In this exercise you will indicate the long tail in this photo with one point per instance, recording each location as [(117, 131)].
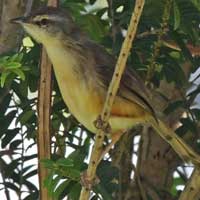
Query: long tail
[(181, 148)]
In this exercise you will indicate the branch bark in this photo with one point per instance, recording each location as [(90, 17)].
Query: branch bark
[(44, 107), (44, 111), (120, 66)]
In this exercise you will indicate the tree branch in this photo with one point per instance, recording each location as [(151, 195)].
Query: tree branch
[(44, 108), (120, 66)]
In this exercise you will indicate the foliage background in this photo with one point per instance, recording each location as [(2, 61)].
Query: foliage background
[(165, 54)]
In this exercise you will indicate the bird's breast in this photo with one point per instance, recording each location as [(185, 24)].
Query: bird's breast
[(82, 98)]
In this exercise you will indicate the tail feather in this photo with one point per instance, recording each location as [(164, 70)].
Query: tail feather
[(179, 146)]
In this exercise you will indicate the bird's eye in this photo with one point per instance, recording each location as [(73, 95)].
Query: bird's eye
[(42, 22)]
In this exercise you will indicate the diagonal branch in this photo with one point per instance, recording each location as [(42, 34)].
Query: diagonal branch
[(114, 85)]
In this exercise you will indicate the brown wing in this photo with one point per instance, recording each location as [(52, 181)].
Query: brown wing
[(131, 87)]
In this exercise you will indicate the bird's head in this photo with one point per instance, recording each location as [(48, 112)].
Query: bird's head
[(47, 24)]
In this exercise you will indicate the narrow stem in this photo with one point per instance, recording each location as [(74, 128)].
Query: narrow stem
[(158, 43), (113, 87)]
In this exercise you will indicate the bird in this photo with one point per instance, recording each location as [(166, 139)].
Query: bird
[(84, 69)]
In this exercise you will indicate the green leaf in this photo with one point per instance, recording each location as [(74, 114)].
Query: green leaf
[(6, 121), (48, 182), (11, 186), (20, 73), (33, 195), (75, 7), (25, 116), (10, 168), (14, 145), (9, 135), (24, 89), (173, 106), (51, 182), (54, 183), (93, 25), (71, 173), (28, 158), (177, 15), (78, 157), (65, 162), (189, 124), (176, 182), (27, 168), (100, 188), (4, 59), (196, 4), (173, 71), (179, 39), (4, 104), (30, 185), (31, 174), (12, 65), (75, 192), (60, 189), (17, 57), (3, 77), (196, 112), (48, 163)]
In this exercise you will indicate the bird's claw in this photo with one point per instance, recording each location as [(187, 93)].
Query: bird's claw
[(87, 182), (100, 124)]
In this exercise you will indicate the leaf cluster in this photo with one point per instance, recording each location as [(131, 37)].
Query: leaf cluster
[(19, 76)]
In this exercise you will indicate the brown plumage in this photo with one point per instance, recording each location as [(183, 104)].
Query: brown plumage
[(84, 70)]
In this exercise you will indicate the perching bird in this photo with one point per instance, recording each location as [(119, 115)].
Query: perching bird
[(84, 69)]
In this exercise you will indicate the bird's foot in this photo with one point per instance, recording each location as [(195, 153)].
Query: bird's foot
[(100, 124), (87, 182)]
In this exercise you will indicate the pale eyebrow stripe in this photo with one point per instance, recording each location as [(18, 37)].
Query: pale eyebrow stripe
[(53, 18)]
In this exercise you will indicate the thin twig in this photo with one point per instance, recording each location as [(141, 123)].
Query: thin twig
[(158, 43), (150, 33), (3, 183), (22, 150), (44, 107), (113, 87), (140, 185), (194, 49)]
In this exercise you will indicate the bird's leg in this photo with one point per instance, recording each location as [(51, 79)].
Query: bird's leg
[(85, 181), (100, 124), (117, 135), (114, 139)]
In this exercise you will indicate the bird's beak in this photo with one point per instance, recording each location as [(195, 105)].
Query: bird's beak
[(18, 20)]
